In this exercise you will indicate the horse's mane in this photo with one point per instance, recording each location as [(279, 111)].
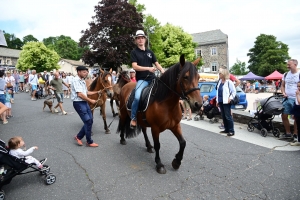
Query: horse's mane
[(94, 83), (170, 78)]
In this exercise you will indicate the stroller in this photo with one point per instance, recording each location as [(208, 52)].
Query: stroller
[(12, 166), (211, 111), (39, 93), (264, 115)]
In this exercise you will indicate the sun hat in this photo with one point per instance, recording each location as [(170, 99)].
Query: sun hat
[(132, 70), (140, 33)]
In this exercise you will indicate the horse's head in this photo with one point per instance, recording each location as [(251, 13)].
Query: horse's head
[(106, 80), (124, 77), (187, 84)]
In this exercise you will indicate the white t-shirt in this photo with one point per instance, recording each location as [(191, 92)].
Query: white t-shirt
[(291, 81), (33, 79)]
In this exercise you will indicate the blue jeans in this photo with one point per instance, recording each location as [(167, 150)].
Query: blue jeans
[(16, 88), (140, 85), (84, 112), (226, 116)]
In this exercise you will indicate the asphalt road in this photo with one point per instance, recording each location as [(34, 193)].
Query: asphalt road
[(213, 167)]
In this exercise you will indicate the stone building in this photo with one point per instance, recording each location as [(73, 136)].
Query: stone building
[(67, 65), (213, 47), (9, 57)]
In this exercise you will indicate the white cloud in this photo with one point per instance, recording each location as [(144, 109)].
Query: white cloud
[(241, 20)]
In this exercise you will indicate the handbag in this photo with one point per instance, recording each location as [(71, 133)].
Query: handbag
[(236, 98)]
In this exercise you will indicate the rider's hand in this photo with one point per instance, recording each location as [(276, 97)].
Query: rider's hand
[(93, 101), (152, 69)]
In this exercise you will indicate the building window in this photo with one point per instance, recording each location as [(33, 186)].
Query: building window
[(214, 66), (198, 53), (8, 62), (213, 51)]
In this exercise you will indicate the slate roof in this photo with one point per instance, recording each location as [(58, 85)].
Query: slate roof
[(210, 37), (6, 52)]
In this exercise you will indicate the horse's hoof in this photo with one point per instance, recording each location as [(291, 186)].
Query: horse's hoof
[(150, 150), (175, 164), (107, 132), (161, 170), (123, 142)]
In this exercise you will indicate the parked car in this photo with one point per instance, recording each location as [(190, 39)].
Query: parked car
[(209, 88)]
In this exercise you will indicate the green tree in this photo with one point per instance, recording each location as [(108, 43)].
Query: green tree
[(110, 35), (65, 46), (172, 43), (35, 55), (12, 41), (29, 38), (268, 55), (239, 68)]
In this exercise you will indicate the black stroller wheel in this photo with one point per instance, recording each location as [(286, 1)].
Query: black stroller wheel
[(264, 132), (276, 132), (2, 195), (250, 127), (50, 179)]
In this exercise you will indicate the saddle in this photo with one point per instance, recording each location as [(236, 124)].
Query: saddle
[(145, 98)]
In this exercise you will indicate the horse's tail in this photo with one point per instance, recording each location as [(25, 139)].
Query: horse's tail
[(125, 128)]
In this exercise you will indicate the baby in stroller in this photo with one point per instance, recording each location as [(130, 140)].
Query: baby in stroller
[(209, 108), (13, 164), (16, 143)]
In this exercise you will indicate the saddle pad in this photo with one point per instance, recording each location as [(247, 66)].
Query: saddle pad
[(144, 100)]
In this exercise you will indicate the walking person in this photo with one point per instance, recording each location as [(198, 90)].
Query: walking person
[(288, 89), (225, 93), (65, 86), (3, 108), (142, 60), (79, 96), (17, 81), (22, 80), (56, 85), (33, 82), (10, 83), (296, 114)]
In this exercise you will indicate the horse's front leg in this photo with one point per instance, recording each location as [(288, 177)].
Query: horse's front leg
[(107, 131), (182, 143), (147, 142), (112, 107), (160, 168)]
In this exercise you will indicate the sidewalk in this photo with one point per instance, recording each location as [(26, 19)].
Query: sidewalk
[(241, 133)]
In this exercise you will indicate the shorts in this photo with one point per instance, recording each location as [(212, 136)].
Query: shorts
[(8, 104), (186, 104), (33, 87), (256, 88), (2, 98), (288, 106), (59, 97)]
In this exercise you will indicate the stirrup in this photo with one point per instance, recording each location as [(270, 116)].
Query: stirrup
[(132, 127)]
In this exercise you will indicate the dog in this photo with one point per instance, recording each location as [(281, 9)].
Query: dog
[(49, 103)]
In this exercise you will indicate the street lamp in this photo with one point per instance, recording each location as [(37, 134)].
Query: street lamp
[(150, 30)]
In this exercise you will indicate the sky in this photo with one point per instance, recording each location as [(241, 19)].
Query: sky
[(241, 20)]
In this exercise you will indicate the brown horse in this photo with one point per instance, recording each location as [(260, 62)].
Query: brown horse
[(180, 80), (123, 79), (102, 84)]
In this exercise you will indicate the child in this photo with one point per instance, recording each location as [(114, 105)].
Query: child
[(296, 114), (8, 102), (15, 144), (205, 103)]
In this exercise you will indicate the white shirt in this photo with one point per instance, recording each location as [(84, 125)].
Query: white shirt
[(11, 79), (33, 79), (19, 153), (291, 81)]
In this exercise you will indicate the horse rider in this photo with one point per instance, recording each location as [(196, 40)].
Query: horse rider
[(142, 60)]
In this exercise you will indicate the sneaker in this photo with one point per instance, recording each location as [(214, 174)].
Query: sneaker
[(55, 110), (230, 134), (78, 141), (295, 143), (286, 136), (43, 161), (92, 145), (189, 119), (184, 118), (64, 113), (5, 122), (68, 97), (33, 99)]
